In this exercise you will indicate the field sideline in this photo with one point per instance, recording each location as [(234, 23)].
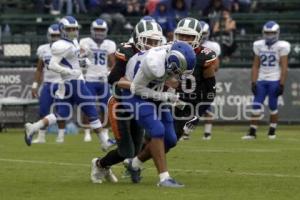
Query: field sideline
[(220, 169)]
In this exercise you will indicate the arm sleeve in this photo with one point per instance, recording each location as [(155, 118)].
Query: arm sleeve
[(117, 72)]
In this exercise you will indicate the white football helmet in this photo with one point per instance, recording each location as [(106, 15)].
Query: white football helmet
[(205, 31), (147, 34), (68, 27), (53, 33), (271, 32), (99, 30), (189, 27)]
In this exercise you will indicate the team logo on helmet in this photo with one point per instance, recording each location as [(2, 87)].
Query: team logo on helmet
[(181, 59)]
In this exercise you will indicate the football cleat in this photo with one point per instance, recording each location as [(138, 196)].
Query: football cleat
[(249, 137), (108, 144), (135, 174), (272, 137), (206, 136), (169, 182), (29, 132), (99, 174), (60, 139), (39, 141), (190, 125), (87, 137), (185, 137)]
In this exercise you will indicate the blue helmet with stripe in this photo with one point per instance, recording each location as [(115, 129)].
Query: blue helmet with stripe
[(53, 33), (68, 27), (271, 32), (181, 58), (99, 30), (148, 18), (205, 31)]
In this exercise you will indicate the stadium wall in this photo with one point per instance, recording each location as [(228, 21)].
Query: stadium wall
[(232, 104)]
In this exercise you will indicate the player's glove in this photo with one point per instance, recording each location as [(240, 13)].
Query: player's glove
[(82, 62), (280, 90), (253, 88)]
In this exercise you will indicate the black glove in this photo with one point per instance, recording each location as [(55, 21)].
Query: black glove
[(253, 88), (280, 90)]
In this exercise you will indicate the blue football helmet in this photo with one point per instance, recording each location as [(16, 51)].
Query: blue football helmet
[(148, 18), (271, 32), (181, 59), (53, 33), (68, 27), (205, 31), (99, 30)]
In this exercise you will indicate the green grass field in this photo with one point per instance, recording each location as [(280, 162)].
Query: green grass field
[(220, 169)]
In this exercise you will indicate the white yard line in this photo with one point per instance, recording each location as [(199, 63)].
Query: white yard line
[(150, 168)]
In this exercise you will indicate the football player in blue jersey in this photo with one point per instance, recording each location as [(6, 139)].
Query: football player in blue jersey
[(72, 90)]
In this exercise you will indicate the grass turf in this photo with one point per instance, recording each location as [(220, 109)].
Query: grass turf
[(220, 169)]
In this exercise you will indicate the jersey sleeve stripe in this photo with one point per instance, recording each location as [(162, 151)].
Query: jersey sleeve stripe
[(120, 56)]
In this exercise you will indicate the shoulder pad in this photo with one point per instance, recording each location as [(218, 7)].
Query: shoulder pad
[(59, 47), (125, 51), (153, 67)]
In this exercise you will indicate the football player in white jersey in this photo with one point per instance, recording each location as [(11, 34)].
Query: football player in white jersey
[(65, 61), (148, 75), (49, 81), (205, 42), (100, 59), (269, 72)]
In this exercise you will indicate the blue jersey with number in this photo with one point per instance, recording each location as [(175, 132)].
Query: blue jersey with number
[(269, 58), (97, 54)]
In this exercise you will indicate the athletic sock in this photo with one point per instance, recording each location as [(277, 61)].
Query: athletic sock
[(111, 158), (137, 163), (104, 133), (207, 128), (252, 130), (41, 134), (272, 128), (61, 133), (102, 138), (163, 176), (87, 131), (38, 125)]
